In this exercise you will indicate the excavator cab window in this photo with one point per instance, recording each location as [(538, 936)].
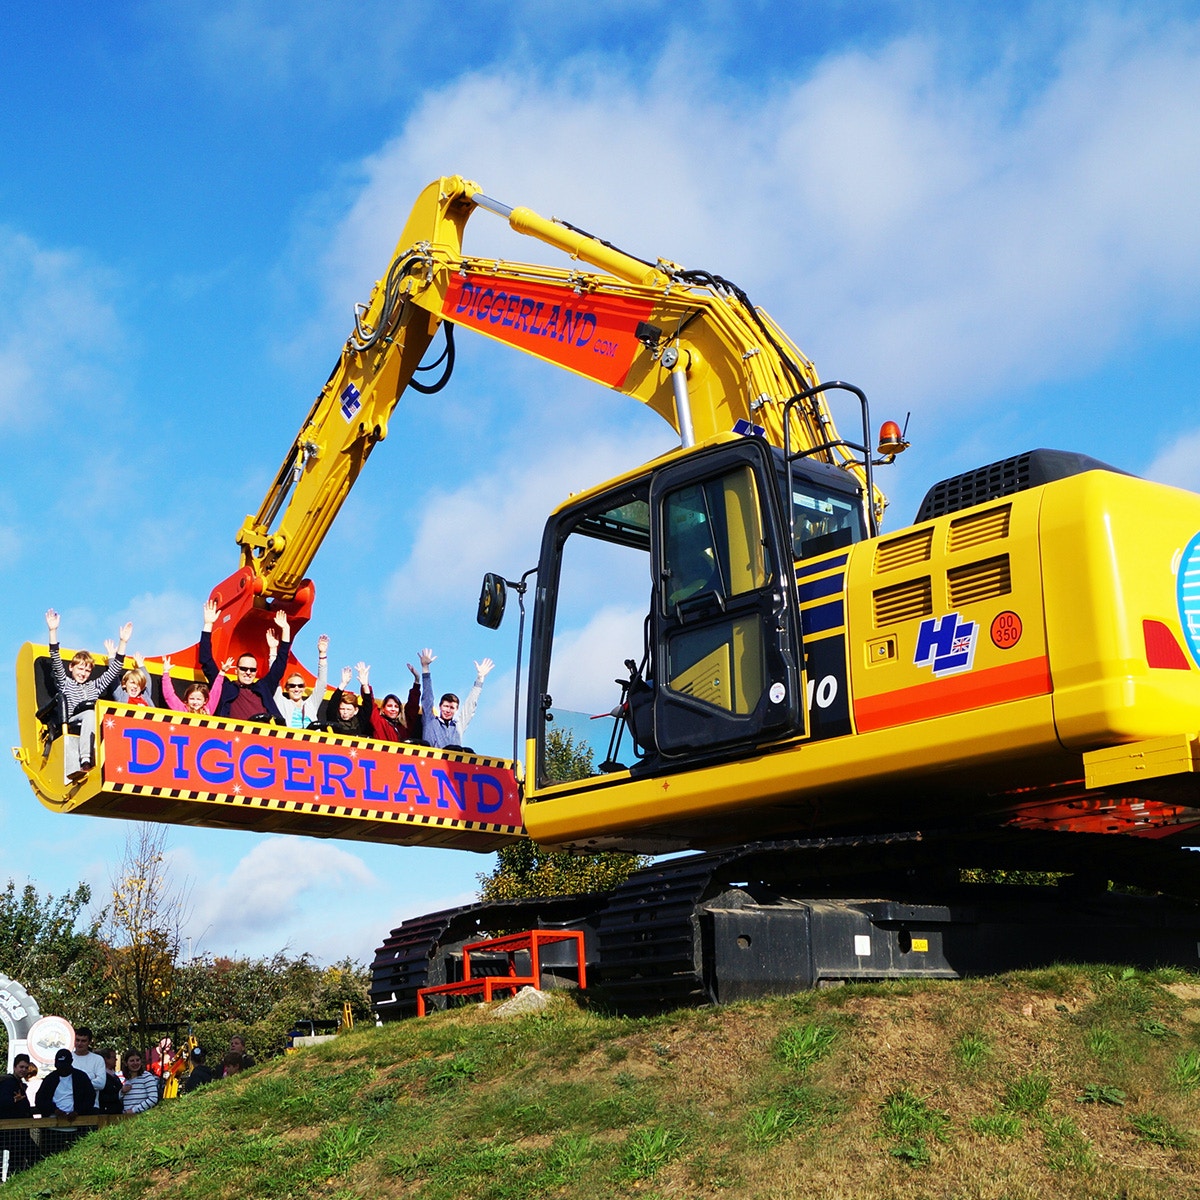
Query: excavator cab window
[(823, 520), (826, 504), (593, 601)]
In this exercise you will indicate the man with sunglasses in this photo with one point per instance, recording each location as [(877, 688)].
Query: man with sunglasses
[(246, 697)]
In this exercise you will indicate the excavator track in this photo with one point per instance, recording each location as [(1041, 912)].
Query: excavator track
[(789, 914)]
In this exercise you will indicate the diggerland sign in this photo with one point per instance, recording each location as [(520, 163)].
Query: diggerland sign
[(206, 758), (593, 333)]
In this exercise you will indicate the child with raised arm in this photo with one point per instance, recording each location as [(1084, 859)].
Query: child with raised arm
[(134, 687), (445, 727), (347, 717), (198, 697), (77, 695)]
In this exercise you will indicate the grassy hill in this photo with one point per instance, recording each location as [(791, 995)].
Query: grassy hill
[(1069, 1082)]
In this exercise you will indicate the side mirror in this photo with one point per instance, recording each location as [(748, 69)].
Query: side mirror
[(492, 599)]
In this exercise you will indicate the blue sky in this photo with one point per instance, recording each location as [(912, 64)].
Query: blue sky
[(987, 218)]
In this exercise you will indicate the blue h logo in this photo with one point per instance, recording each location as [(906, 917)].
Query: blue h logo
[(947, 644), (350, 401)]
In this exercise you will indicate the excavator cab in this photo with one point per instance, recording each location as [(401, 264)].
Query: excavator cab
[(689, 569)]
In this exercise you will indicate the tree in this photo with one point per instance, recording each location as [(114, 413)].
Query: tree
[(262, 999), (144, 934), (525, 871), (52, 947)]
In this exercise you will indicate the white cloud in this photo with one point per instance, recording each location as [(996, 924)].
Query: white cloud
[(494, 521), (587, 661), (262, 892), (1179, 463), (163, 622), (932, 236), (51, 298)]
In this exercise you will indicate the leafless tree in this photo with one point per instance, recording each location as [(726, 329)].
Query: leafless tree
[(144, 933)]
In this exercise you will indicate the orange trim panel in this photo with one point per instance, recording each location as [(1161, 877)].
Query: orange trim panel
[(958, 693), (594, 333)]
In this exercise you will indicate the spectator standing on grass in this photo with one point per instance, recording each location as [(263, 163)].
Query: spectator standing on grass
[(88, 1061), (445, 726), (140, 1089), (14, 1100), (15, 1106), (200, 1074), (68, 1092), (237, 1045), (108, 1100)]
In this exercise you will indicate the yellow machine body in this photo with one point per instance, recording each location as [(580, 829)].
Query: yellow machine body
[(1057, 583), (1028, 659)]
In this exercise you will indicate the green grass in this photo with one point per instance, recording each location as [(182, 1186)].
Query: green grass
[(909, 1121), (1027, 1093), (908, 1091), (1102, 1043), (972, 1051), (647, 1151), (1185, 1073), (1149, 1127), (799, 1048), (1066, 1147), (1004, 1126)]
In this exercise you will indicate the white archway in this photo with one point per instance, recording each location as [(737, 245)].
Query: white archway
[(19, 1012)]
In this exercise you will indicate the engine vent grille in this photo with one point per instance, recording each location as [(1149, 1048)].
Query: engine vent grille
[(1003, 478), (903, 601), (903, 551), (987, 526), (978, 581)]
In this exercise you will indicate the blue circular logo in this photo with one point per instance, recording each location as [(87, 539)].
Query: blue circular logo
[(1187, 592)]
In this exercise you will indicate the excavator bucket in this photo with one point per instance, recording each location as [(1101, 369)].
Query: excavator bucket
[(154, 764)]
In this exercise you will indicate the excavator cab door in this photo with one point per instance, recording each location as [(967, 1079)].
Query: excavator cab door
[(725, 633)]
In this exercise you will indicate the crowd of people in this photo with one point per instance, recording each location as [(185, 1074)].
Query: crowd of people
[(235, 688), (85, 1082)]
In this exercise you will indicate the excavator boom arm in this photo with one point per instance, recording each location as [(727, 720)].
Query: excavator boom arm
[(687, 344)]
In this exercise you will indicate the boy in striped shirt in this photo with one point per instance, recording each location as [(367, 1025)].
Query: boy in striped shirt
[(78, 693)]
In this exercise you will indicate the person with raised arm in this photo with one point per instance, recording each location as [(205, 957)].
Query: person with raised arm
[(445, 726), (77, 693), (134, 687), (198, 697), (299, 711), (392, 721), (247, 697), (347, 716)]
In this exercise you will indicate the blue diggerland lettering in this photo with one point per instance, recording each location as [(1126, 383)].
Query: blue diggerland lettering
[(525, 315)]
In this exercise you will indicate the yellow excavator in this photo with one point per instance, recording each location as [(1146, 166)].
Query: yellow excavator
[(1022, 660)]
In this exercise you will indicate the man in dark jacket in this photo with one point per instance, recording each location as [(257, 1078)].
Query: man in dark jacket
[(247, 698), (68, 1092), (14, 1106), (200, 1073)]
